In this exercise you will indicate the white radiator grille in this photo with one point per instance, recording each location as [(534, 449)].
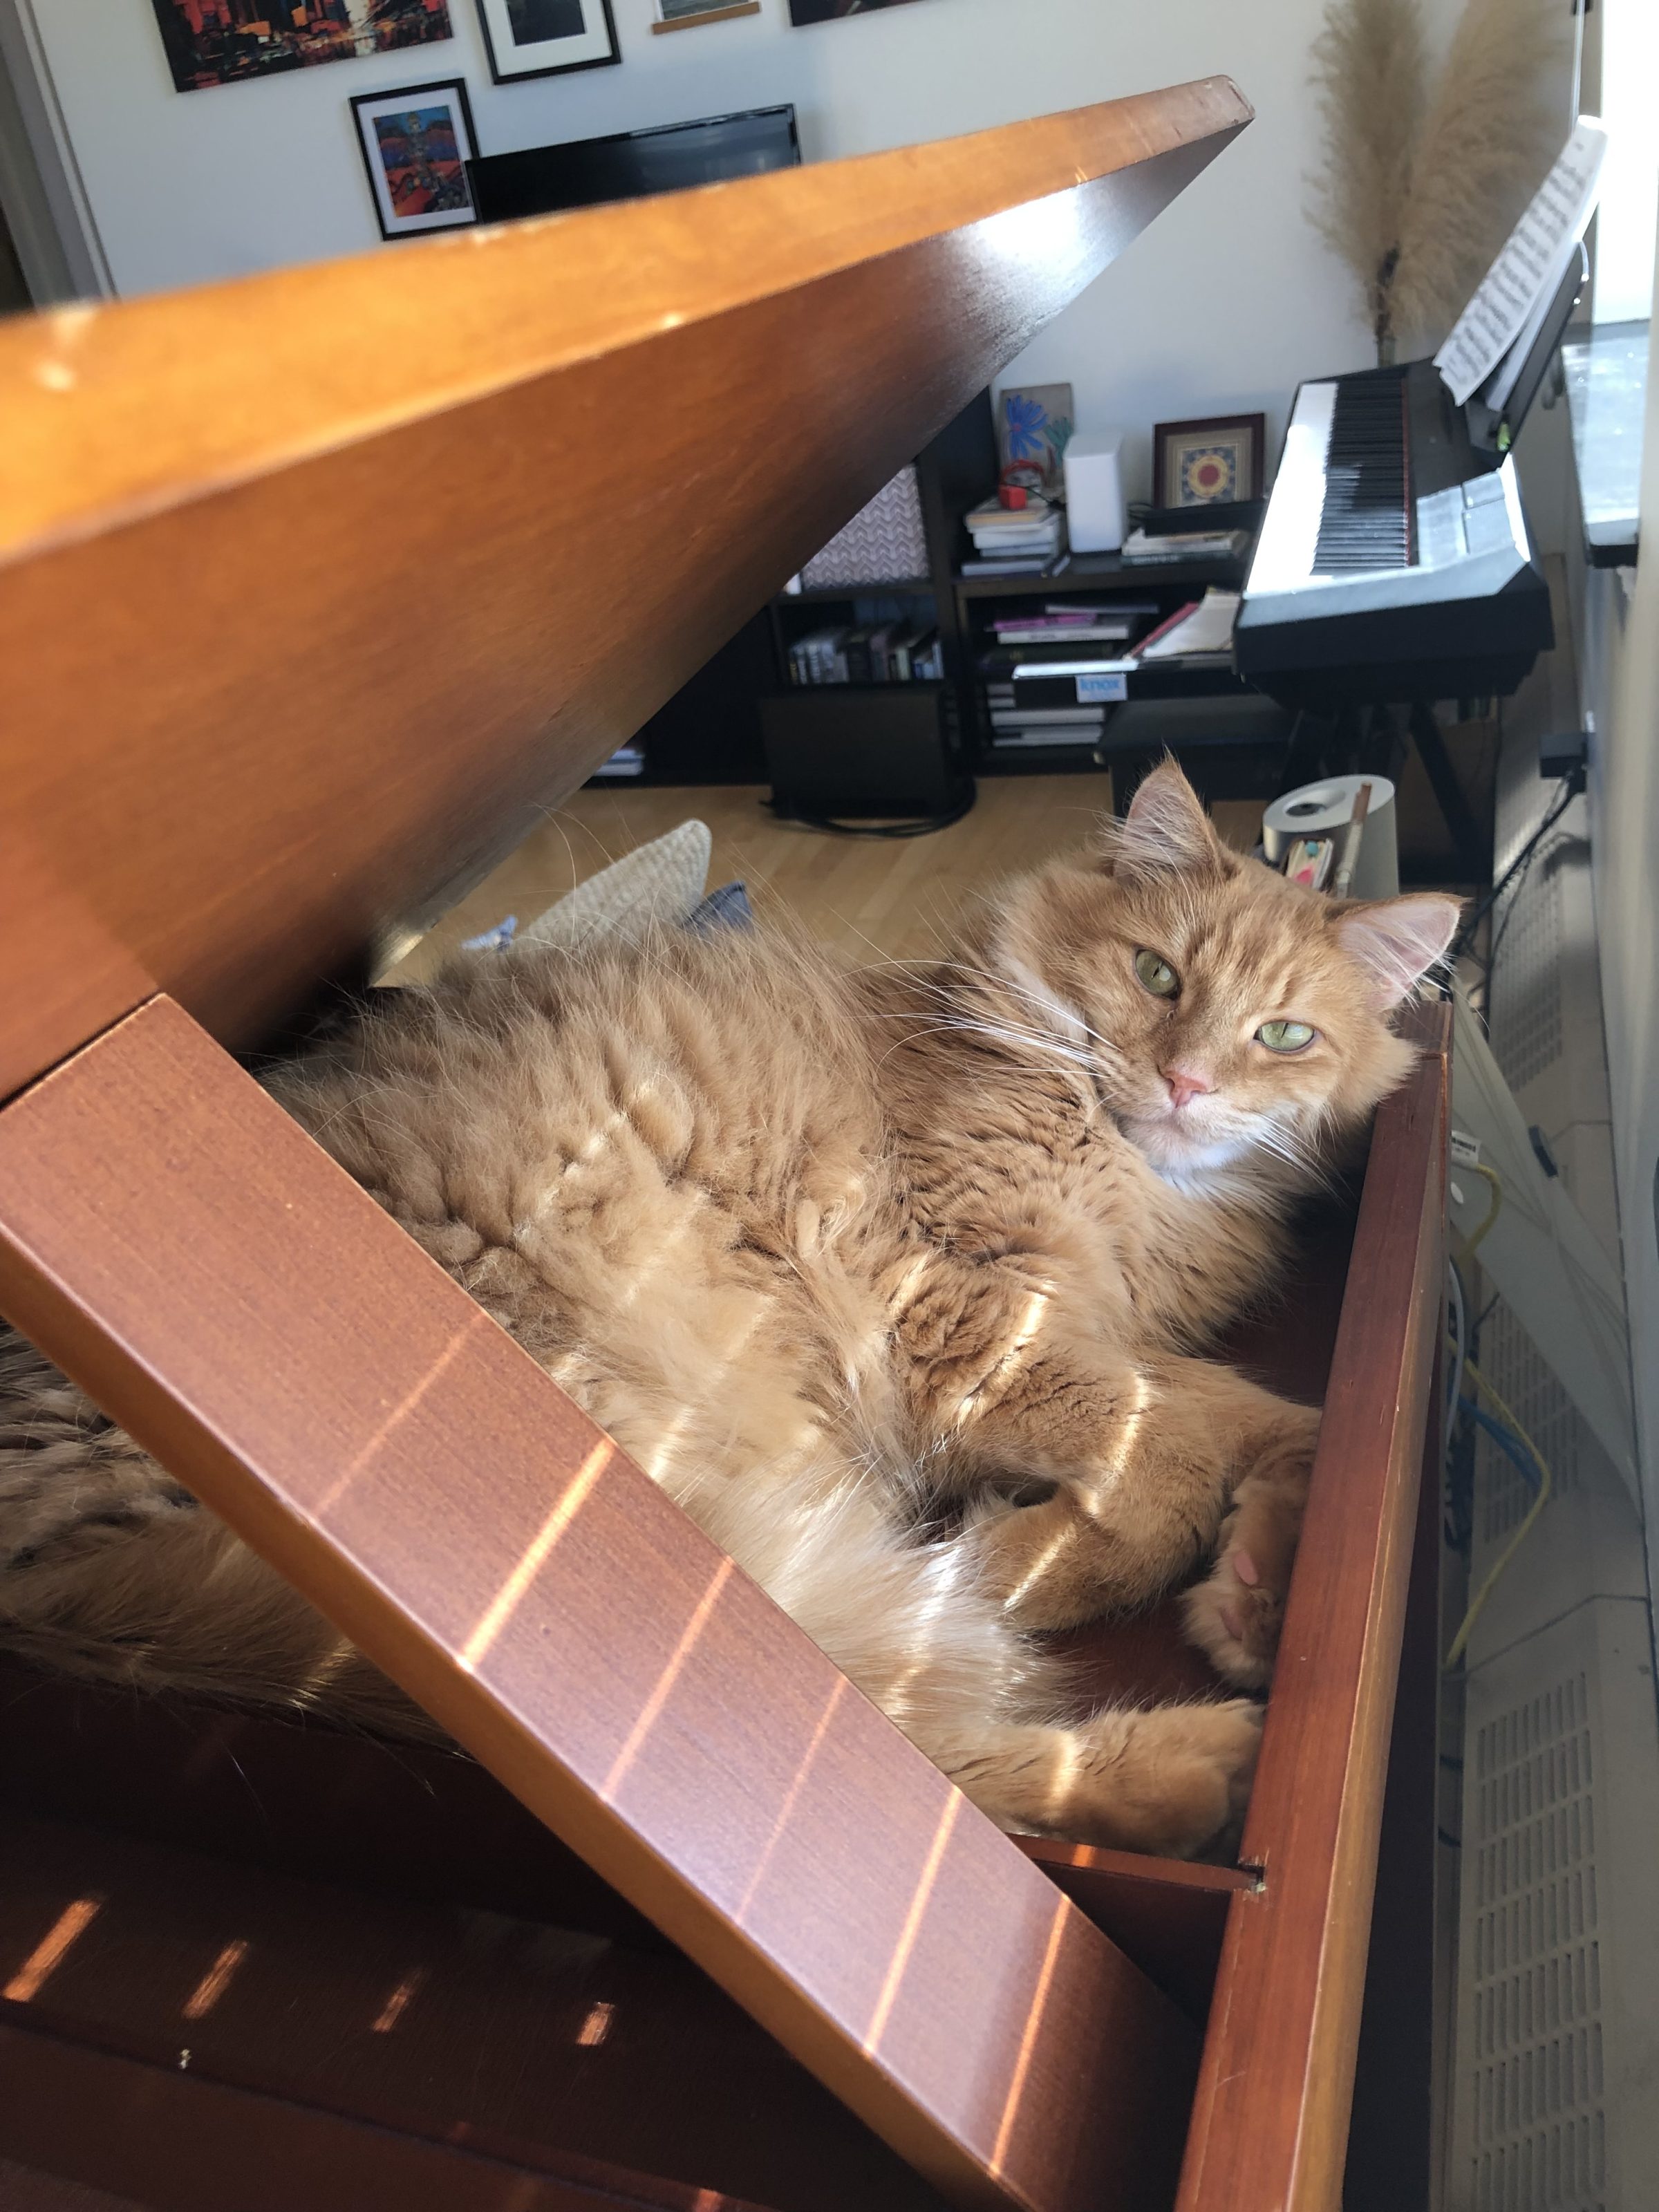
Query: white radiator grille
[(1525, 1028), (1522, 1378), (1539, 2134)]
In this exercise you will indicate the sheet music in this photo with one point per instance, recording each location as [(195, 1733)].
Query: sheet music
[(1501, 320)]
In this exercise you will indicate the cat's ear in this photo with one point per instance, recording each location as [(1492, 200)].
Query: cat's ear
[(1399, 940), (1166, 829)]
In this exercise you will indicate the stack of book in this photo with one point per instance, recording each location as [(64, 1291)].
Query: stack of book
[(870, 653), (1015, 540), (1202, 630), (1074, 621), (1033, 696), (1186, 545)]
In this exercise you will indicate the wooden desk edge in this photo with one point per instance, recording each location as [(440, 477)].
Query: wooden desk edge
[(1270, 2116)]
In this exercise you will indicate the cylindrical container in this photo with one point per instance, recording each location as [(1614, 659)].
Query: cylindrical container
[(1094, 492), (1324, 809)]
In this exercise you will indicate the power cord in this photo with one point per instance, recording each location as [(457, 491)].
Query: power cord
[(1514, 1440), (1491, 1176), (1571, 784), (882, 828)]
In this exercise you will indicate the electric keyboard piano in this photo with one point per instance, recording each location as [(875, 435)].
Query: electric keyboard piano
[(1393, 564)]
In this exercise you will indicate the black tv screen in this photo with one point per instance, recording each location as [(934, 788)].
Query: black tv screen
[(585, 172)]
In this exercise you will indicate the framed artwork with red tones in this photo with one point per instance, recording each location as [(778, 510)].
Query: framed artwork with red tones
[(220, 41), (1208, 463), (416, 142)]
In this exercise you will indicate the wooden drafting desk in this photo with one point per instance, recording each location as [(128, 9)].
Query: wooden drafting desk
[(314, 590)]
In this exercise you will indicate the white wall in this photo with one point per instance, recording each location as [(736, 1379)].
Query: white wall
[(1223, 306)]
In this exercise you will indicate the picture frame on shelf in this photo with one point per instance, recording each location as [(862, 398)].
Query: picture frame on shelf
[(547, 37), (685, 14), (1035, 424), (416, 141), (1214, 461)]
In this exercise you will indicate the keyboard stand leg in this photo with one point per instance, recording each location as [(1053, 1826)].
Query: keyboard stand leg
[(1473, 856), (1307, 757)]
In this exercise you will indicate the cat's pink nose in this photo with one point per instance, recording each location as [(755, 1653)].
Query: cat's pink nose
[(1185, 1085)]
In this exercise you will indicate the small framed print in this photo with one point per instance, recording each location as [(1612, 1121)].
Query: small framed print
[(1208, 463), (680, 14), (417, 142), (544, 38)]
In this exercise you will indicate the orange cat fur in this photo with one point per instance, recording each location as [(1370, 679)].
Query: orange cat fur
[(842, 1258)]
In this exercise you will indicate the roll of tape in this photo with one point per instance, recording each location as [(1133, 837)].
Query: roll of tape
[(1324, 809)]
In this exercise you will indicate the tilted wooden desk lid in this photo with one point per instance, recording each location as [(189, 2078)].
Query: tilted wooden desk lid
[(311, 589), (316, 588)]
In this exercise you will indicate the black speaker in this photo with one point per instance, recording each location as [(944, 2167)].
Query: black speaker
[(841, 752)]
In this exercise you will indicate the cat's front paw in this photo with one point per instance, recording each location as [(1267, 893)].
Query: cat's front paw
[(1235, 1619), (1235, 1615)]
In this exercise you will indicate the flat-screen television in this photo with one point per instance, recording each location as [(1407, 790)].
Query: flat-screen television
[(584, 172)]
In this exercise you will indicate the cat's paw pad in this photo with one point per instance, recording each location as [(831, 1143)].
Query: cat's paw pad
[(1235, 1619)]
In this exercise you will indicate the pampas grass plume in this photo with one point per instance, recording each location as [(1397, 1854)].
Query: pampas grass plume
[(1369, 67), (1497, 121)]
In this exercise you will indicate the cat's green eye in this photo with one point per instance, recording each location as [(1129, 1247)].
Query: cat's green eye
[(1156, 975), (1285, 1036)]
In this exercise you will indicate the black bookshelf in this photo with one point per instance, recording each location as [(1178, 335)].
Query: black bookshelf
[(1087, 574), (1103, 577), (710, 732)]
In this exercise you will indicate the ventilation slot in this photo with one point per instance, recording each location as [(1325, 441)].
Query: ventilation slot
[(1522, 1378), (1526, 985), (1539, 2122)]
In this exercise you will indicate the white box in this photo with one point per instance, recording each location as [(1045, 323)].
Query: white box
[(1094, 492)]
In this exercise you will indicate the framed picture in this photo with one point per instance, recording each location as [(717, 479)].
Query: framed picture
[(1034, 427), (544, 38), (220, 41), (680, 14), (1202, 464), (416, 141), (828, 11)]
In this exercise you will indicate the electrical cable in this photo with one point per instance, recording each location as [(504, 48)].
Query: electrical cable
[(1506, 1443), (1571, 786), (1458, 1308), (1541, 1499), (883, 829), (1491, 1176)]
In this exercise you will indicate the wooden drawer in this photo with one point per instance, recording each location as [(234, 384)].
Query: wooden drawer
[(292, 1966)]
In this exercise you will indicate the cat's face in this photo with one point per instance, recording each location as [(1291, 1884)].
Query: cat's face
[(1223, 1011)]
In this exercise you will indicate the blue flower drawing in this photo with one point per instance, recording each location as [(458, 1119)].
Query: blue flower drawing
[(1027, 420)]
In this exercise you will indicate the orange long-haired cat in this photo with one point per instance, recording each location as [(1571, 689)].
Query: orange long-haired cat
[(896, 1279)]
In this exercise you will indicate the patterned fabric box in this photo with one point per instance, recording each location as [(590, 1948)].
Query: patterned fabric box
[(883, 543)]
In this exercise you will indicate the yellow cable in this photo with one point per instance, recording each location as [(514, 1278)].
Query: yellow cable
[(1537, 1507), (1497, 1181)]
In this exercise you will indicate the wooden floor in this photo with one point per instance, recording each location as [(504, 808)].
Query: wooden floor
[(871, 898)]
